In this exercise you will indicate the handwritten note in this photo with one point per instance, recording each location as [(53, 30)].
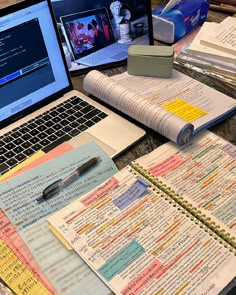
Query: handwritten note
[(144, 247), (16, 275), (19, 203)]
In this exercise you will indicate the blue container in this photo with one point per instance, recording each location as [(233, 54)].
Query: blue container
[(181, 19)]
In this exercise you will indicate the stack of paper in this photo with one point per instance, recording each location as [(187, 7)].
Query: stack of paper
[(216, 41)]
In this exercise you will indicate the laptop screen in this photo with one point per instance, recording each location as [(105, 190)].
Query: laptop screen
[(98, 33), (32, 69)]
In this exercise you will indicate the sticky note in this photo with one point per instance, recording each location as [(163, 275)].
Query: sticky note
[(184, 110), (16, 275)]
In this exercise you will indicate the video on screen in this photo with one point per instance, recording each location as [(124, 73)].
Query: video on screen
[(96, 33)]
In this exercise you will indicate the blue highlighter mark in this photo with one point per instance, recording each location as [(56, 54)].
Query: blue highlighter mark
[(135, 191), (121, 260)]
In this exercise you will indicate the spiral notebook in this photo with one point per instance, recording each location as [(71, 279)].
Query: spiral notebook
[(140, 236)]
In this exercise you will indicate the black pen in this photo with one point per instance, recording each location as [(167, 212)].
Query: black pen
[(54, 188)]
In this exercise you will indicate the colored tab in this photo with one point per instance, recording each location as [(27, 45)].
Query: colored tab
[(135, 191), (60, 237)]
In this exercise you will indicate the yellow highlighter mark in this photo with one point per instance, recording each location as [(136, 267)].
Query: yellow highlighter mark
[(160, 292), (181, 289), (105, 226), (17, 275), (184, 110)]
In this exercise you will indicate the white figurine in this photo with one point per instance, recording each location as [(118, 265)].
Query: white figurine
[(115, 10)]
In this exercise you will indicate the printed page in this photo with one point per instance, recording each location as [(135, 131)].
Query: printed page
[(18, 202), (187, 98), (198, 48), (139, 241), (16, 275), (202, 172), (224, 38), (10, 236), (135, 105)]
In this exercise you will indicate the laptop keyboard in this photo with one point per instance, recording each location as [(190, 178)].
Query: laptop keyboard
[(115, 51), (47, 131)]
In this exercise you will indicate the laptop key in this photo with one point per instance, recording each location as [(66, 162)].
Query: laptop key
[(18, 141), (103, 115), (60, 133), (2, 150), (87, 109), (9, 146), (8, 139), (9, 154), (42, 135), (34, 140), (3, 168), (26, 136), (20, 157), (74, 132), (18, 149), (2, 159), (57, 127), (92, 114), (26, 144), (16, 134), (89, 123), (96, 119), (82, 127), (36, 147), (52, 137), (11, 162), (29, 152), (50, 131), (57, 142), (44, 142), (67, 128), (32, 125)]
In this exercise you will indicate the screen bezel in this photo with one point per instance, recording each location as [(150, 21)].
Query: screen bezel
[(14, 8), (121, 62)]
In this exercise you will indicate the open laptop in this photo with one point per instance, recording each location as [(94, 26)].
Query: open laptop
[(38, 107), (98, 33), (91, 40)]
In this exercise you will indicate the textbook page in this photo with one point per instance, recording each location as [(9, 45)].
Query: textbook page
[(172, 107), (224, 38), (65, 270), (136, 106), (202, 172), (198, 48), (138, 241)]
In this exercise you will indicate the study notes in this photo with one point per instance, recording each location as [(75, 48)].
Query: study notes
[(66, 272), (202, 175), (178, 107), (140, 240)]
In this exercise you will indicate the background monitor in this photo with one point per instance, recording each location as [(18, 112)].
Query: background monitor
[(125, 22)]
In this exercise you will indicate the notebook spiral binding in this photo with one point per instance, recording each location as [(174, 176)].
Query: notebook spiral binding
[(192, 212)]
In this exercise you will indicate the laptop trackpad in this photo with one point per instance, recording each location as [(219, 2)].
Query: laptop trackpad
[(86, 137)]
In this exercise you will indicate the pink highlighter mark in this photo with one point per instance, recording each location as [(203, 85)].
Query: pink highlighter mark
[(153, 271), (100, 192), (168, 165), (11, 237)]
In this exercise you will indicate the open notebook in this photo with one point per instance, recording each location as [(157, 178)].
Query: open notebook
[(164, 224)]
